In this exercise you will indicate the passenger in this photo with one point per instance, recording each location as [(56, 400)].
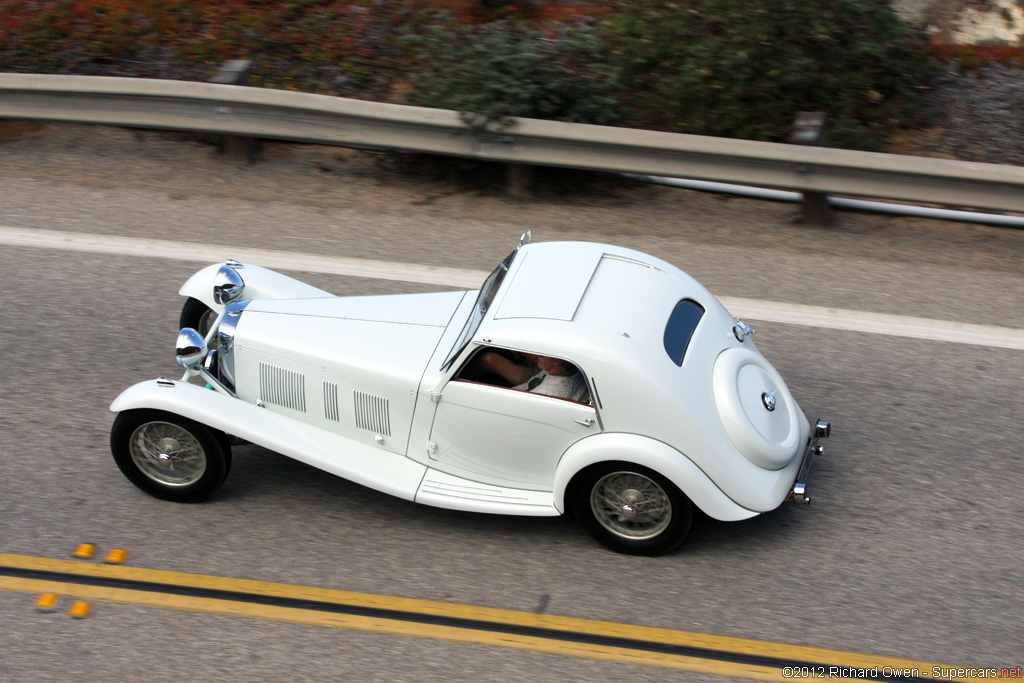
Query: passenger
[(543, 375)]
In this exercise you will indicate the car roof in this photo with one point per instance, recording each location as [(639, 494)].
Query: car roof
[(581, 299)]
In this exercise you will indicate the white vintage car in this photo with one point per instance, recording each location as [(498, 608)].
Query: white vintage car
[(580, 377)]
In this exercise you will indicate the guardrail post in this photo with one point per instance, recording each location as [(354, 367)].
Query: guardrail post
[(239, 148), (519, 180), (809, 129)]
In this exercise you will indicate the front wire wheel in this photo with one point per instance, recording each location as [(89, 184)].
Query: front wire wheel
[(631, 509), (169, 456), (197, 315)]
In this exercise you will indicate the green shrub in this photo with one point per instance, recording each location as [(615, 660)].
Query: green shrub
[(744, 68), (500, 70)]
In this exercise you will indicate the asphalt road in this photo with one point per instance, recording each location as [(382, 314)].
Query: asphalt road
[(913, 547)]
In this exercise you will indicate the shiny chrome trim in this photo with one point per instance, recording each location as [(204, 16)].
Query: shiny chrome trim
[(526, 237), (167, 453), (768, 399), (741, 330), (232, 263), (215, 383), (190, 348), (228, 286), (630, 505), (798, 494), (226, 341), (164, 382)]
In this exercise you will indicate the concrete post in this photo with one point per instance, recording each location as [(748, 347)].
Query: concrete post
[(239, 148), (519, 180), (809, 129)]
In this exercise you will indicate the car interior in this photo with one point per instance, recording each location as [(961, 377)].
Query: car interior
[(475, 371)]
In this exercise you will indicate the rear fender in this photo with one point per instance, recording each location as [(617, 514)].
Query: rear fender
[(658, 456), (260, 283)]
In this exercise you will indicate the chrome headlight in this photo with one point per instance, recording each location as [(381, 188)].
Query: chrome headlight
[(191, 348), (228, 286)]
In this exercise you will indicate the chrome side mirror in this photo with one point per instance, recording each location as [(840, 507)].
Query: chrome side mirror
[(191, 348), (741, 330), (228, 286)]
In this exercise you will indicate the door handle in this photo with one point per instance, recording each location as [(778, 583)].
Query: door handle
[(586, 423)]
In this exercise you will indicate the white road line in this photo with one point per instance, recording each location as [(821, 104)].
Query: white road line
[(876, 323), (206, 253), (765, 311)]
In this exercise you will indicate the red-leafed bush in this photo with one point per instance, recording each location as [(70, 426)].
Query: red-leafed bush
[(971, 58)]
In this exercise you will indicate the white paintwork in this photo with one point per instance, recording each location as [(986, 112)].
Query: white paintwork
[(392, 349), (446, 491), (355, 386), (639, 450), (505, 437), (548, 284), (767, 438), (801, 315), (346, 348), (641, 390), (260, 283), (434, 310), (376, 468)]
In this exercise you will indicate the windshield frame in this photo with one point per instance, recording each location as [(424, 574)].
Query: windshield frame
[(488, 290)]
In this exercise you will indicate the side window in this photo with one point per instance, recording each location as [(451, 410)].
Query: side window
[(681, 324), (535, 373)]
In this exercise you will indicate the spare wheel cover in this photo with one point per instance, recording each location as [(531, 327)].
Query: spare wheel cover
[(768, 438)]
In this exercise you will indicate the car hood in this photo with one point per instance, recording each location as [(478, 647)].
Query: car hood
[(434, 309), (385, 340)]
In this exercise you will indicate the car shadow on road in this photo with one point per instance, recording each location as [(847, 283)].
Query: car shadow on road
[(283, 486)]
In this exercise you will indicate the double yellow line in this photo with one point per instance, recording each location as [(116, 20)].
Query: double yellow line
[(726, 656)]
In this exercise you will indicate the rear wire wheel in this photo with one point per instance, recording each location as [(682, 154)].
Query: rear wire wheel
[(631, 509)]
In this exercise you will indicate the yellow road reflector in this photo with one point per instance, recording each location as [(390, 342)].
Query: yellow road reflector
[(116, 556), (80, 610), (47, 602), (84, 551)]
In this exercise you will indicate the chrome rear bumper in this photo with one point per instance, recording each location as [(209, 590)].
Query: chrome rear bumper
[(799, 493)]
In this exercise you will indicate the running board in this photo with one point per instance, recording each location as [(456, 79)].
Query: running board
[(455, 493)]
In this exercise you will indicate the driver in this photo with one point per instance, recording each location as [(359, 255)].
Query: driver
[(541, 375)]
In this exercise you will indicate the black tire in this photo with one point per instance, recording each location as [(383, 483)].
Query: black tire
[(147, 444), (197, 315), (599, 490)]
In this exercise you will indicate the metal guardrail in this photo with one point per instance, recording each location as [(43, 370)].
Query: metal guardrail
[(304, 117)]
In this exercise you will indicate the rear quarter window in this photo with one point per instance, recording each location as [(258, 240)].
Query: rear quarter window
[(681, 324)]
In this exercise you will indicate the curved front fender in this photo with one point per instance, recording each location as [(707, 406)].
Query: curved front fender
[(370, 466), (260, 283), (656, 455)]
